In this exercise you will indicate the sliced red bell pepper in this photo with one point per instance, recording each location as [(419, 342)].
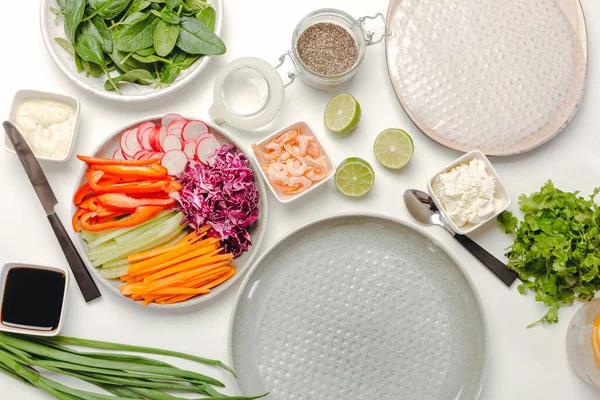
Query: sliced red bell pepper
[(126, 171), (110, 161), (140, 215), (119, 201), (89, 204), (83, 191), (108, 212), (174, 186), (75, 219), (110, 218), (132, 187), (159, 168)]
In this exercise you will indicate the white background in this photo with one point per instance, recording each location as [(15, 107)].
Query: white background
[(523, 364)]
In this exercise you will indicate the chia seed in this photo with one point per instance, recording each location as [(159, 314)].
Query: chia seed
[(327, 49)]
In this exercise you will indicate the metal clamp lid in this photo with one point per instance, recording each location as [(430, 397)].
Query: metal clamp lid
[(368, 34)]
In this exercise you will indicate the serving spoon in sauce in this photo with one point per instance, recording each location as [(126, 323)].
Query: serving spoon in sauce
[(422, 208)]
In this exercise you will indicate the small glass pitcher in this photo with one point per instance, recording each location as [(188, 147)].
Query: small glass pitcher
[(249, 92)]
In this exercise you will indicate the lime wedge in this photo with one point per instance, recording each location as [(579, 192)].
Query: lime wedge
[(354, 177), (393, 148), (342, 113)]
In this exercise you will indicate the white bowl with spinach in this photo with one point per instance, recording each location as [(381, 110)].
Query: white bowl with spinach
[(148, 49)]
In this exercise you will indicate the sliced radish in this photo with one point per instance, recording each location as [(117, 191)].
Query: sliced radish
[(206, 149), (174, 161), (189, 148), (162, 134), (176, 127), (123, 142), (167, 119), (145, 138), (145, 125), (118, 155), (171, 142), (132, 145), (193, 130), (142, 155)]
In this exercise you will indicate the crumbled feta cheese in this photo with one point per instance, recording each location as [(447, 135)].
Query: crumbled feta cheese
[(466, 192)]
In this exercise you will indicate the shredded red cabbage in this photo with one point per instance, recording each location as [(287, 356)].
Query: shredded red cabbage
[(223, 196)]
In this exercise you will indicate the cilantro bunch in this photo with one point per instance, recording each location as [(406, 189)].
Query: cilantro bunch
[(557, 247)]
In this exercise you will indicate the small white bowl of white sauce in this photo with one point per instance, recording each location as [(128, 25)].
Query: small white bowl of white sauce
[(47, 121)]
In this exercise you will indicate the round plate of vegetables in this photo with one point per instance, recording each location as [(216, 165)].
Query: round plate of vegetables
[(131, 50), (168, 211)]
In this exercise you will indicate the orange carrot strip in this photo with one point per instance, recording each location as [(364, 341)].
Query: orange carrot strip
[(145, 255), (135, 269), (187, 264), (219, 280), (201, 280), (125, 277), (181, 290), (204, 252), (176, 299), (173, 280)]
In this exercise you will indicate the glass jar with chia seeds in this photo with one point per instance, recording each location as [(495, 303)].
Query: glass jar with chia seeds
[(328, 46)]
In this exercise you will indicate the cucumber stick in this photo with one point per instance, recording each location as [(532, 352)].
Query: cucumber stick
[(168, 228), (132, 233), (114, 273), (107, 235)]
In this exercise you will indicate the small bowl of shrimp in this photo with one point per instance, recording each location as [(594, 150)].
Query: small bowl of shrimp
[(293, 161)]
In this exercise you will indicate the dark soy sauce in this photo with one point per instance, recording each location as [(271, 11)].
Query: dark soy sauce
[(33, 298)]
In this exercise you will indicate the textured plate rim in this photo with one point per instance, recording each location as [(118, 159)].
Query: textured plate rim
[(221, 288), (375, 216), (156, 93), (430, 133)]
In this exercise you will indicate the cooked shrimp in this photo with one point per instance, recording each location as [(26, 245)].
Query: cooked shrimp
[(313, 148), (285, 155), (317, 173), (297, 184), (273, 151), (295, 167), (285, 136), (277, 172)]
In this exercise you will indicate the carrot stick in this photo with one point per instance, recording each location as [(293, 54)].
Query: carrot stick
[(135, 269), (202, 253), (181, 290), (187, 264), (173, 280), (175, 299), (201, 280), (145, 255), (125, 277), (220, 280)]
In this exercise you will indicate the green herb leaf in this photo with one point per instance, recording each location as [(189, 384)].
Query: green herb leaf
[(89, 49), (141, 76), (165, 37), (65, 44), (61, 3), (146, 52), (136, 6), (169, 74), (556, 248), (208, 17), (173, 4), (73, 15), (150, 59), (167, 16), (196, 38), (138, 36), (109, 9), (97, 28)]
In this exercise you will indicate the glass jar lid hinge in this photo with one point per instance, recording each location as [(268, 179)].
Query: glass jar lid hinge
[(368, 34), (291, 75)]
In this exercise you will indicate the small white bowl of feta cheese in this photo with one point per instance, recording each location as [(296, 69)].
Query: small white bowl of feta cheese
[(469, 192)]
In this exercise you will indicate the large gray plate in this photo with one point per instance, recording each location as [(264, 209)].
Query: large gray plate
[(108, 147), (358, 307)]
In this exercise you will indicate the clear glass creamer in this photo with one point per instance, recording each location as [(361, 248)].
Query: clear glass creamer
[(583, 343)]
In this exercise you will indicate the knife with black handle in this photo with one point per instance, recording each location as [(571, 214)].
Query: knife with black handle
[(42, 188)]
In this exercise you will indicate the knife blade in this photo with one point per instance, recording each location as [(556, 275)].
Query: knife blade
[(48, 199)]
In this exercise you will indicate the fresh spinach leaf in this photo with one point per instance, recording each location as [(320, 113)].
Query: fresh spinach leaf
[(195, 6), (139, 35), (189, 60), (89, 49), (173, 4), (65, 44), (140, 76), (146, 52), (97, 28), (178, 56), (196, 38), (61, 3), (208, 17), (78, 63), (167, 16), (109, 9), (165, 37), (133, 18), (149, 59), (136, 6), (73, 15), (169, 74)]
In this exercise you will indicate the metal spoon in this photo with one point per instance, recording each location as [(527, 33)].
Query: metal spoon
[(423, 209)]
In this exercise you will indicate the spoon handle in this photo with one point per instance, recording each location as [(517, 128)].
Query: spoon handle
[(496, 266)]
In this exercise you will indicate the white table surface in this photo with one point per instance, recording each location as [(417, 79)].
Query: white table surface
[(523, 364)]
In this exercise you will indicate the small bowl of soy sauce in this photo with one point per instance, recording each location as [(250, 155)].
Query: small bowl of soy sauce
[(33, 299)]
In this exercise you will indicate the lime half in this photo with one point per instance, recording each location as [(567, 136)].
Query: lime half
[(393, 148), (342, 113), (354, 177)]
